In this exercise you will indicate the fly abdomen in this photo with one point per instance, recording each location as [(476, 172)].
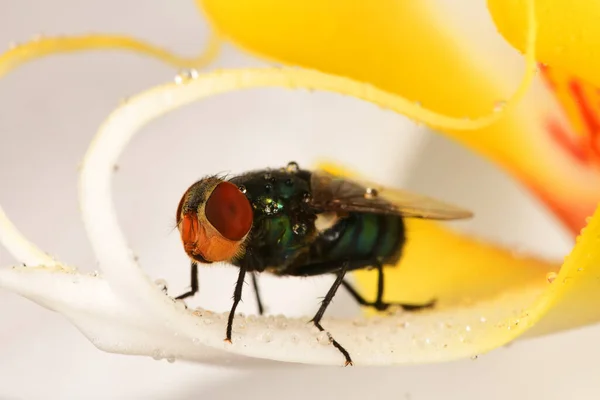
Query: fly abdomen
[(362, 236)]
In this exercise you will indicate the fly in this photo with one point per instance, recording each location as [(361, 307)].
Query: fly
[(297, 222)]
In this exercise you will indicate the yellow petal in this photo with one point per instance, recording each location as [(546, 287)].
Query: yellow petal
[(45, 46), (568, 33), (405, 48), (472, 273)]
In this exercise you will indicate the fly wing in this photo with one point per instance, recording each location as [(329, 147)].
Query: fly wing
[(333, 193)]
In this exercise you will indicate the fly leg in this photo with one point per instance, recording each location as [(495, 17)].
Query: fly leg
[(194, 283), (237, 297), (261, 309), (325, 303), (379, 304)]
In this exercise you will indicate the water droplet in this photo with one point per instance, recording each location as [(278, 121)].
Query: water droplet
[(180, 304), (266, 337), (171, 359), (551, 276), (157, 354), (475, 357), (499, 105), (306, 197), (185, 76), (483, 320), (299, 229), (292, 167), (242, 188), (324, 338), (468, 328), (207, 321), (95, 274), (162, 285), (371, 193)]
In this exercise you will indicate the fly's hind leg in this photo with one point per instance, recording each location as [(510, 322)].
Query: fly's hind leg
[(324, 304), (379, 304)]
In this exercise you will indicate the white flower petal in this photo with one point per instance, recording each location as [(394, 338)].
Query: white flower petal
[(126, 312)]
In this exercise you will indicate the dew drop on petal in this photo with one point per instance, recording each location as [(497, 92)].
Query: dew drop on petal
[(157, 354), (266, 336), (324, 338), (162, 285), (499, 105), (185, 76), (171, 359), (551, 276), (180, 304)]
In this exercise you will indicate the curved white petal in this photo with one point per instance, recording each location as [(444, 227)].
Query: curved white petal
[(125, 312)]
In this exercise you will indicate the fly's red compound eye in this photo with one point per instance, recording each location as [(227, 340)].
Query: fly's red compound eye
[(229, 211)]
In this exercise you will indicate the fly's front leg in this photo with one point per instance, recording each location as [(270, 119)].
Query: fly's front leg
[(237, 297), (194, 287)]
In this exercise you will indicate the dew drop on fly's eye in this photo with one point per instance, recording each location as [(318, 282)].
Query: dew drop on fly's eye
[(292, 167), (371, 193), (242, 188), (185, 76), (299, 229)]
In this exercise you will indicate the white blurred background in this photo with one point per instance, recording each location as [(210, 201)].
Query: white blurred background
[(49, 111)]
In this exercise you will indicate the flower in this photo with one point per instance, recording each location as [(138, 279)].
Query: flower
[(487, 296)]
